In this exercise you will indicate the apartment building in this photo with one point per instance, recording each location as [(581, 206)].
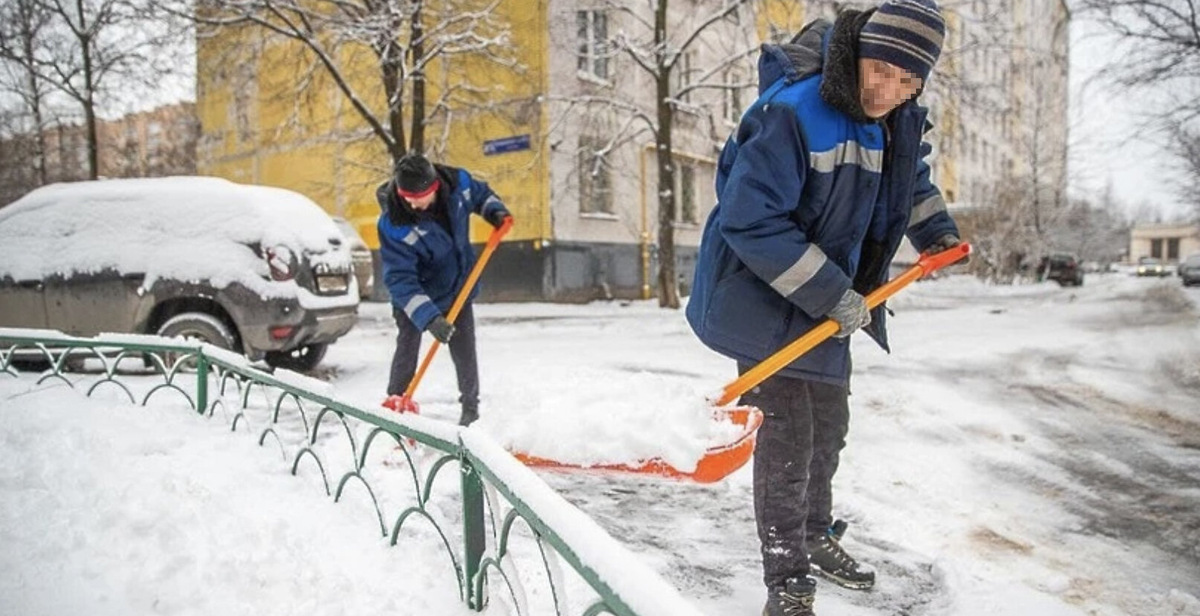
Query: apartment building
[(153, 143), (564, 128)]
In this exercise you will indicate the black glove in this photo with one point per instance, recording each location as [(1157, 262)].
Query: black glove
[(850, 313), (441, 329), (946, 242), (496, 217)]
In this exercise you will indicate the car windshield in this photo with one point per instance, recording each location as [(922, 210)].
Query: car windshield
[(1193, 261), (350, 233), (1148, 261)]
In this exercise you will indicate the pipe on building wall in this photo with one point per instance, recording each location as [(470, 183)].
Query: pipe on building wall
[(645, 239)]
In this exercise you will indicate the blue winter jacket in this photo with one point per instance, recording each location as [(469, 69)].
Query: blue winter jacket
[(424, 265), (810, 203)]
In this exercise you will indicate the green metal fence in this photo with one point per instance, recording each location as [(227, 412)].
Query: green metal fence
[(498, 501)]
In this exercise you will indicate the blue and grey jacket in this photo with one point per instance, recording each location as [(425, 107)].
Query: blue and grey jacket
[(425, 263), (814, 198)]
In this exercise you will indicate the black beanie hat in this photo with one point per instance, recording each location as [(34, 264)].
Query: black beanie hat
[(415, 174)]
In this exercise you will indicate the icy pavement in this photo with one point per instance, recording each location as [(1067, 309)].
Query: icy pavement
[(1025, 450), (1028, 450)]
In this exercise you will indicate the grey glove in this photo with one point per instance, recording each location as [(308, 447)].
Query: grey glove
[(441, 329), (850, 313), (946, 242)]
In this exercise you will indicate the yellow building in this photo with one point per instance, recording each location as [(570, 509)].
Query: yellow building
[(554, 116), (271, 114)]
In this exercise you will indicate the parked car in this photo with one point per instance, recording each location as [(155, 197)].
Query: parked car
[(1149, 266), (1189, 270), (263, 271), (360, 256), (1062, 268)]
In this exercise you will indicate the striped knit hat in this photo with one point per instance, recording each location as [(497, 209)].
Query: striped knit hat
[(906, 33)]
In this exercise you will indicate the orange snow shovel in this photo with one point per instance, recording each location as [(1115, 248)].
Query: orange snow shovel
[(718, 462), (405, 403)]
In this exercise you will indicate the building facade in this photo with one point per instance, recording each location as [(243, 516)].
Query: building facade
[(154, 143), (1169, 243), (567, 134)]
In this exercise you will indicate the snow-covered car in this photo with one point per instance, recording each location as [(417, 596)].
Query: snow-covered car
[(360, 256), (1189, 270), (1149, 266), (260, 270)]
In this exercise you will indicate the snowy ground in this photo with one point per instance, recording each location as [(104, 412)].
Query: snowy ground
[(1027, 450)]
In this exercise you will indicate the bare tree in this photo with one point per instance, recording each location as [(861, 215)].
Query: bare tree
[(1159, 48), (93, 50), (1093, 230), (22, 26), (404, 38), (1185, 146), (1159, 54), (661, 44)]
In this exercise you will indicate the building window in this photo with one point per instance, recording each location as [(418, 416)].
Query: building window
[(733, 95), (154, 136), (683, 76), (685, 202), (595, 178), (1173, 249), (593, 47), (1156, 248)]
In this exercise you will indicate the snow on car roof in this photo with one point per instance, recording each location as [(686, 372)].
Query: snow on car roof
[(186, 228)]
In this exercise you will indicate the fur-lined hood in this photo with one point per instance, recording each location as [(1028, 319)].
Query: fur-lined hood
[(821, 47)]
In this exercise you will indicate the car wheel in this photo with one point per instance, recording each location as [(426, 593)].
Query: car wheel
[(300, 359), (196, 327)]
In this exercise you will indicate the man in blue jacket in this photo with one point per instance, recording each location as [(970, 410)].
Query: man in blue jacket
[(425, 244), (823, 179)]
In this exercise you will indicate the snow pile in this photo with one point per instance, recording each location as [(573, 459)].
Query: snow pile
[(113, 509), (644, 416)]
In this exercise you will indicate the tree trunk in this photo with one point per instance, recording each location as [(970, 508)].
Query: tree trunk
[(89, 94), (417, 48), (668, 287), (35, 94), (393, 88)]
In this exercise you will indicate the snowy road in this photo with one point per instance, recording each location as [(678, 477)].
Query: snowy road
[(1025, 450)]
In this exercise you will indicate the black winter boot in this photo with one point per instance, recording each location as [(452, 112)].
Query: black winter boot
[(470, 413), (829, 560), (793, 599)]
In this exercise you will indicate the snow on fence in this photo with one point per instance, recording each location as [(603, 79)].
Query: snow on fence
[(390, 461)]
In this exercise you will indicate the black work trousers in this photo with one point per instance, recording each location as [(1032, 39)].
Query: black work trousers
[(802, 436), (462, 351)]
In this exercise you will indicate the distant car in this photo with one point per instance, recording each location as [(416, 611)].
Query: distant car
[(254, 269), (1149, 266), (360, 256), (1063, 269), (1189, 270)]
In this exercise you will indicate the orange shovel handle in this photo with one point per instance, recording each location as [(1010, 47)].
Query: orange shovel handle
[(926, 265), (493, 241)]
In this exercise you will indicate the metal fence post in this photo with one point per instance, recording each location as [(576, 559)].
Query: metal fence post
[(474, 533), (201, 383)]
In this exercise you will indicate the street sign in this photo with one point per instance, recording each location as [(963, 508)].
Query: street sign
[(506, 144)]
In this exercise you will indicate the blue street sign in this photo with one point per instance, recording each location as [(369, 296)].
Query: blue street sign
[(506, 144)]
